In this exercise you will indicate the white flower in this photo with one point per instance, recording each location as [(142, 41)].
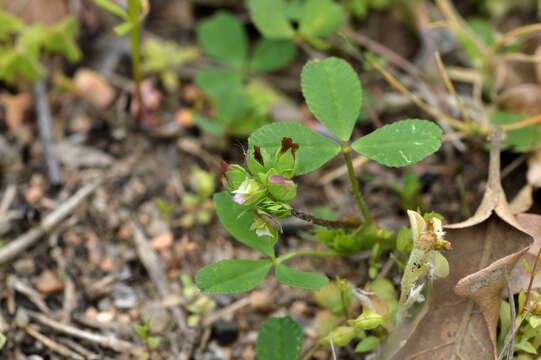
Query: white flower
[(261, 227), (246, 190)]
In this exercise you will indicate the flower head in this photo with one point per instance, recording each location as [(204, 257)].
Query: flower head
[(280, 188), (248, 192), (264, 226)]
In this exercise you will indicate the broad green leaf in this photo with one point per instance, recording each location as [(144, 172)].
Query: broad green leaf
[(333, 93), (232, 105), (208, 125), (300, 279), (505, 322), (320, 18), (272, 54), (238, 224), (124, 28), (270, 19), (314, 149), (215, 81), (61, 39), (402, 143), (232, 276), (9, 24), (369, 343), (223, 38), (112, 8), (279, 339)]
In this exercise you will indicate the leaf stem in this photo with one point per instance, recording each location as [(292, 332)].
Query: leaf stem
[(134, 10), (318, 253), (358, 196), (348, 223), (532, 276)]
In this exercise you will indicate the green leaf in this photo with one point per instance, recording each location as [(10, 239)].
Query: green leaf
[(279, 339), (314, 149), (238, 224), (272, 54), (208, 125), (223, 38), (300, 279), (270, 19), (112, 8), (402, 143), (521, 139), (505, 322), (333, 93), (232, 276), (215, 81), (320, 18), (9, 24), (525, 346), (232, 106), (369, 343), (124, 28), (61, 39), (2, 340)]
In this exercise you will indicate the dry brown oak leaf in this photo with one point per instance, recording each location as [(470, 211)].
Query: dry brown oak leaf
[(459, 318)]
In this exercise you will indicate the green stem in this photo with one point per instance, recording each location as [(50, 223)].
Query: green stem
[(358, 196), (305, 252), (134, 10)]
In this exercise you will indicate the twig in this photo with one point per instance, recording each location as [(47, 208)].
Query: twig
[(104, 341), (80, 349), (237, 305), (153, 265), (58, 348), (451, 88), (350, 223), (20, 286), (17, 246), (46, 133)]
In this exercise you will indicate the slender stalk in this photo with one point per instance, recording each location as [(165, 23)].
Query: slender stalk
[(358, 196), (348, 223), (532, 276), (292, 254), (134, 10), (522, 124)]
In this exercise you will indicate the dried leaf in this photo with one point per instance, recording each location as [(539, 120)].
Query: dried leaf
[(520, 276), (522, 99), (93, 87), (459, 318), (523, 201), (534, 170), (16, 107)]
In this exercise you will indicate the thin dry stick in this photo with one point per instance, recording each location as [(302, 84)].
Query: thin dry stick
[(520, 57), (420, 103), (513, 34), (512, 310), (17, 246), (451, 88), (58, 348), (328, 223), (236, 306), (16, 284), (46, 133), (104, 341)]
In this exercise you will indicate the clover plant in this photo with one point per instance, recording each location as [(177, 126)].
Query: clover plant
[(258, 195), (241, 102)]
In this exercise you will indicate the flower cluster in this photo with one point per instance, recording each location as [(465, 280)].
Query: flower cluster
[(265, 187)]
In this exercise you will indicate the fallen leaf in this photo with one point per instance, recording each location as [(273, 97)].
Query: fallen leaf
[(522, 99), (533, 175), (48, 283), (520, 277), (93, 87), (523, 201), (162, 241), (16, 106), (459, 318)]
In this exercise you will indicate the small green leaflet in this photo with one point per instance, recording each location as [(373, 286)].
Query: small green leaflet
[(208, 125), (270, 19), (314, 149), (112, 8), (238, 225), (320, 18), (279, 339), (333, 93), (300, 279), (124, 28), (2, 340), (272, 54), (369, 343), (232, 276), (402, 143), (222, 37), (215, 81)]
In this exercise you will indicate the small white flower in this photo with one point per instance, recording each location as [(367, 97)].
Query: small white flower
[(246, 190), (261, 227)]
